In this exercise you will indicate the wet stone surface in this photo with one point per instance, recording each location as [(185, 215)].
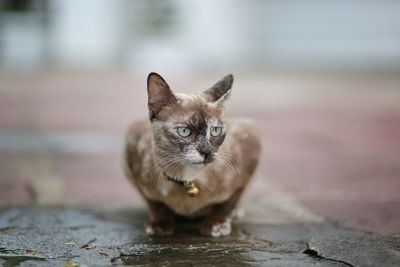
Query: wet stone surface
[(58, 236)]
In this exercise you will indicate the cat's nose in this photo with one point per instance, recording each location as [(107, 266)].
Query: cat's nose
[(206, 154)]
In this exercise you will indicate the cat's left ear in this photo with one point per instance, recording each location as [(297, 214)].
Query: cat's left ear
[(220, 91), (159, 94)]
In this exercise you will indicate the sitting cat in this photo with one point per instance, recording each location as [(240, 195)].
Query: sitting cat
[(188, 144)]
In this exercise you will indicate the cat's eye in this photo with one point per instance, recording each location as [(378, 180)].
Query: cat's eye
[(184, 131), (216, 131)]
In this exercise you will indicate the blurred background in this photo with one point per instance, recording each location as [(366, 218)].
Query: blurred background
[(320, 78)]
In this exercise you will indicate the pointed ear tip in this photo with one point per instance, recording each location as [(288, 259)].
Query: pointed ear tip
[(230, 77), (154, 77), (153, 74)]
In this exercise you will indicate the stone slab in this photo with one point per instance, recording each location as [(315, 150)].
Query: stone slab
[(53, 236)]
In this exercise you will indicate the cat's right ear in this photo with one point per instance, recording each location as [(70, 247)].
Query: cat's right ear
[(159, 94), (220, 91)]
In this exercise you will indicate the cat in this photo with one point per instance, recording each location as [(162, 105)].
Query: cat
[(188, 141)]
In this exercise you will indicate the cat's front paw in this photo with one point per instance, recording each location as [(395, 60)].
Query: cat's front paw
[(216, 229), (159, 228)]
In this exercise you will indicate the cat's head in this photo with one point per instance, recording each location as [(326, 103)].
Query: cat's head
[(187, 129)]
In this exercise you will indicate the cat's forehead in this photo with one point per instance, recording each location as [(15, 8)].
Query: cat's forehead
[(188, 98), (194, 109)]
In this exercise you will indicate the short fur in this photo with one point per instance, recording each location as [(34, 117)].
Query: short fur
[(220, 166)]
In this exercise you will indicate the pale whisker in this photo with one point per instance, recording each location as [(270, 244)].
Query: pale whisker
[(228, 161), (158, 165)]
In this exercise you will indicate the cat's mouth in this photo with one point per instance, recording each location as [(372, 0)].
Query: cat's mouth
[(199, 163), (203, 162)]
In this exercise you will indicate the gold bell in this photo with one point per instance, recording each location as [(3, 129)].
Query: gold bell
[(191, 189)]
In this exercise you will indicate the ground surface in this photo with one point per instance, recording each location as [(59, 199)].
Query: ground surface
[(330, 141), (57, 236)]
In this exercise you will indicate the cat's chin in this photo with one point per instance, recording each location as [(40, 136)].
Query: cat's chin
[(194, 167), (191, 172)]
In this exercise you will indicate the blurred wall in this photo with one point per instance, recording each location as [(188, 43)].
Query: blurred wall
[(186, 35)]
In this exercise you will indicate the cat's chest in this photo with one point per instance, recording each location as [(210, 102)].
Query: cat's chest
[(176, 197), (183, 204)]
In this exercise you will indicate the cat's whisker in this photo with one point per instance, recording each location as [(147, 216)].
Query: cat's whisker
[(231, 167), (164, 160), (230, 163), (168, 164), (161, 159), (172, 164), (230, 157), (235, 176)]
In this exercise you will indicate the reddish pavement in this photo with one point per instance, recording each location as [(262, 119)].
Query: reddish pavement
[(333, 142)]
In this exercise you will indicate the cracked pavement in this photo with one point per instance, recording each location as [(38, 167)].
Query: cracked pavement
[(53, 236)]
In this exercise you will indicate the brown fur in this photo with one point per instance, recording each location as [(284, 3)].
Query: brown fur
[(221, 182)]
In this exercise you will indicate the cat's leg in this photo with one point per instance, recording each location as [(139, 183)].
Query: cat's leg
[(161, 220), (218, 222)]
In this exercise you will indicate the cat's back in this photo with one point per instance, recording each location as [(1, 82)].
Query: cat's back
[(244, 133), (138, 143), (138, 130), (243, 141)]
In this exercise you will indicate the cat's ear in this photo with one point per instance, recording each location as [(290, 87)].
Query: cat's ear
[(220, 91), (159, 94)]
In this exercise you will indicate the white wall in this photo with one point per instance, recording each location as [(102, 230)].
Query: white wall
[(85, 33), (213, 34)]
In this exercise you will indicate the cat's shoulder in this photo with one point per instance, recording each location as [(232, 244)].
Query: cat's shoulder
[(243, 131), (138, 130), (242, 125)]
